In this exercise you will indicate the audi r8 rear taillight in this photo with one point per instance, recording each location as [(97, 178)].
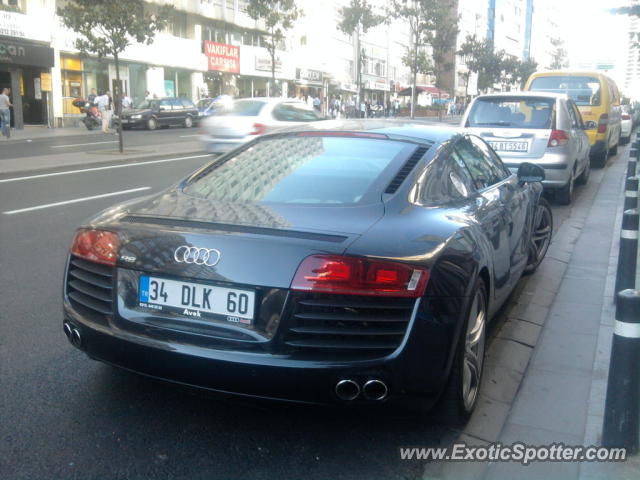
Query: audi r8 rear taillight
[(359, 276), (99, 246)]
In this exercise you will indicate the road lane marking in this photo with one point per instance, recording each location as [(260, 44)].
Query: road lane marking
[(95, 169), (76, 200), (82, 144)]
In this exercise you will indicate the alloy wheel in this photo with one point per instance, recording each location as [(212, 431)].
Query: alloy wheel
[(474, 351), (542, 230)]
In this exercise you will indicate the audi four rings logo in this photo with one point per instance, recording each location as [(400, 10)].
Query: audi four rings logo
[(197, 256)]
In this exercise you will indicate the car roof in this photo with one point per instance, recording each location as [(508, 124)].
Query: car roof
[(420, 132), (271, 100), (531, 93)]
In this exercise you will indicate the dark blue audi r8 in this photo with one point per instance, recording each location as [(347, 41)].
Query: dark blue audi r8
[(352, 265)]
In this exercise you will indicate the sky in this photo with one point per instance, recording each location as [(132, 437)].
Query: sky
[(591, 33)]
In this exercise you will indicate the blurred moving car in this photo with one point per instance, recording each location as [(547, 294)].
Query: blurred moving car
[(213, 106), (542, 128), (353, 266), (598, 100), (626, 125), (161, 112), (251, 117)]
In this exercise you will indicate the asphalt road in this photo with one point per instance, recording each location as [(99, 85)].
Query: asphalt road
[(86, 141), (66, 416)]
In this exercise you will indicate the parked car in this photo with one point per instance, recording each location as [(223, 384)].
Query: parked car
[(213, 106), (248, 118), (351, 266), (538, 127), (598, 100), (161, 112), (626, 124)]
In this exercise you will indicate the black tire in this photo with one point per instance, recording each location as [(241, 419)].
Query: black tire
[(188, 122), (564, 195), (454, 407), (542, 232), (152, 124), (614, 150), (584, 176), (600, 160)]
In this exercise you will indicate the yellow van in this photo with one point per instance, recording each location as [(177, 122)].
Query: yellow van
[(598, 100)]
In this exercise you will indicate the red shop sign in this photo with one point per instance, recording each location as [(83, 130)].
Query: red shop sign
[(222, 57)]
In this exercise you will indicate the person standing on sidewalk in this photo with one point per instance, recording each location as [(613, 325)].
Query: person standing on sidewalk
[(5, 113), (104, 106)]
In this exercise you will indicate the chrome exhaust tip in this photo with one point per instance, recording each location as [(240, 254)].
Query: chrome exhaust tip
[(67, 330), (375, 390), (347, 390), (76, 339)]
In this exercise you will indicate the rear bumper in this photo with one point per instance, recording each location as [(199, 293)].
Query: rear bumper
[(222, 145), (414, 373), (556, 168), (625, 130)]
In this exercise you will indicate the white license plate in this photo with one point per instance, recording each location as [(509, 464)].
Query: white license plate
[(509, 146), (197, 300)]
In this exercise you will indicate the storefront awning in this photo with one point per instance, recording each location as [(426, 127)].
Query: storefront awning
[(430, 90)]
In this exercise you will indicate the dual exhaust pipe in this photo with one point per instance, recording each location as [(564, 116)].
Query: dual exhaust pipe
[(348, 390), (73, 334)]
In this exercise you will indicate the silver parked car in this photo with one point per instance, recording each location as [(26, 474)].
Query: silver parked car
[(250, 117), (542, 128)]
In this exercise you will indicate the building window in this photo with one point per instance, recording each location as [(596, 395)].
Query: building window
[(178, 25), (303, 40), (242, 5), (12, 6)]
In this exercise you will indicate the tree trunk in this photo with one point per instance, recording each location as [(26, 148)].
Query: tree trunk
[(118, 102), (414, 76), (358, 73)]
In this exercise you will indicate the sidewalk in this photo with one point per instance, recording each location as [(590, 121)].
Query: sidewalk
[(547, 366), (32, 132)]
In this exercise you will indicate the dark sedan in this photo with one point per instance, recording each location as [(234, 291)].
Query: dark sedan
[(356, 266), (161, 112)]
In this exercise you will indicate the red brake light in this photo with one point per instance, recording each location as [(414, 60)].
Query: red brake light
[(626, 116), (258, 129), (557, 138), (359, 276), (603, 122), (96, 246)]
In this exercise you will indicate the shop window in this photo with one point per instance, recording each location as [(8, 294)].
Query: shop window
[(235, 38)]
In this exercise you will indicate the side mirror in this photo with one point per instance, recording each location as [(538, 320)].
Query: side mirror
[(590, 125), (530, 172)]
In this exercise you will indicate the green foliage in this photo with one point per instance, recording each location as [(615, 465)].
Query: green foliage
[(559, 56), (358, 18), (278, 17), (421, 64), (108, 27), (481, 58), (525, 70), (444, 40)]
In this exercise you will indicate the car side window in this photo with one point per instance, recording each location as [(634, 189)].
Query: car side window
[(447, 179), (485, 170), (576, 113), (165, 105), (187, 103), (176, 104), (500, 171), (292, 112), (572, 115)]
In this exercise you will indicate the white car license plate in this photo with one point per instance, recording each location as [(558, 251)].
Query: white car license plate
[(509, 146), (197, 300)]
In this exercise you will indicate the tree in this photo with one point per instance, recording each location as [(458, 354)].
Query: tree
[(631, 10), (481, 58), (559, 55), (106, 27), (422, 17), (356, 20), (443, 42), (525, 70), (278, 16)]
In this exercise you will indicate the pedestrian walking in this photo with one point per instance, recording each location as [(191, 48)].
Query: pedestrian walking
[(316, 103), (127, 103), (92, 96), (105, 107), (5, 113), (147, 95)]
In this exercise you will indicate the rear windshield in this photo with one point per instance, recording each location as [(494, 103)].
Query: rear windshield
[(518, 112), (583, 90), (245, 108), (302, 170)]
